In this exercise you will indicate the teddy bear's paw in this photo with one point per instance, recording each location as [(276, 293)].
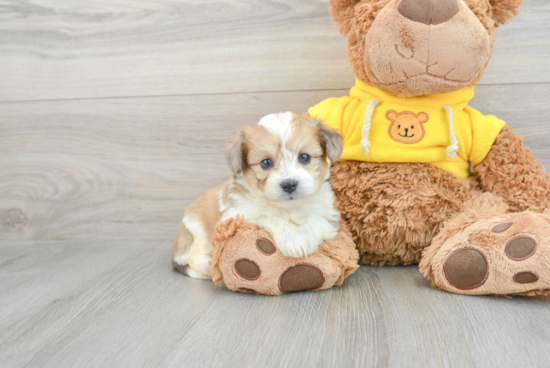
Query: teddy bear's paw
[(508, 255), (251, 263)]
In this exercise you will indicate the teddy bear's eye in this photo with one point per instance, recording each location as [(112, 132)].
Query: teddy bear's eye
[(399, 127), (412, 127)]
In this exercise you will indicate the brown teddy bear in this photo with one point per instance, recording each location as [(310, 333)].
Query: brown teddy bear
[(415, 201), (424, 178)]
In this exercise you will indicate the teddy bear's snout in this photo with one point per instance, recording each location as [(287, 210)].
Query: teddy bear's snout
[(430, 12), (419, 47)]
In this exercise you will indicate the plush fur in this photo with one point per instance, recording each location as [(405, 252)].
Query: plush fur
[(395, 210), (504, 10), (512, 172)]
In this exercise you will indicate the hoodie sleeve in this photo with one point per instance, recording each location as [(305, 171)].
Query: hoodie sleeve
[(485, 130), (332, 111)]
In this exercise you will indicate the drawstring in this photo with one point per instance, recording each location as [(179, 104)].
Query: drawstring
[(452, 150), (365, 144)]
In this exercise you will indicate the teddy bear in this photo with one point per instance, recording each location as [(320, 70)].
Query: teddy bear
[(423, 178), (458, 193)]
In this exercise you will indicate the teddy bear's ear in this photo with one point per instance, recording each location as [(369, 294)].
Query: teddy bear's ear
[(505, 10), (342, 12)]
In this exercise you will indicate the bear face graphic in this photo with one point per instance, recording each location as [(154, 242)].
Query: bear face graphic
[(407, 127)]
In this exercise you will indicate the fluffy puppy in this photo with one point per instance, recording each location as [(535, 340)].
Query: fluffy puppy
[(280, 182)]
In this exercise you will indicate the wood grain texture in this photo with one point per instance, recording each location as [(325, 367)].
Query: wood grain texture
[(127, 168), (134, 311), (61, 49)]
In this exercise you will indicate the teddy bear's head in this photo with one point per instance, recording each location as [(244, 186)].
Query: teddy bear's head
[(420, 47)]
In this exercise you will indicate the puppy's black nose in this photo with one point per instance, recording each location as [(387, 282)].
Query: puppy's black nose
[(289, 186)]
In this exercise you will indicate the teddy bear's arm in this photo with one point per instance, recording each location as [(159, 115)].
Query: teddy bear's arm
[(512, 172)]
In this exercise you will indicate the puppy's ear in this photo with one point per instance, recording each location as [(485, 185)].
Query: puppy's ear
[(504, 10), (235, 152), (342, 12), (331, 141)]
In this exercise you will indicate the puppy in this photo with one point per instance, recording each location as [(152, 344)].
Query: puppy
[(281, 168)]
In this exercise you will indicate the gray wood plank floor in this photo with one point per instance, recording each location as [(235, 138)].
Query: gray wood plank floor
[(127, 168), (113, 118), (62, 49), (119, 304)]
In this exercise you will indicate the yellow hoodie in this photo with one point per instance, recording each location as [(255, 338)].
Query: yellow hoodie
[(438, 129)]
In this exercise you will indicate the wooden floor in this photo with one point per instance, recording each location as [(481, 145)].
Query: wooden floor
[(113, 118), (118, 304)]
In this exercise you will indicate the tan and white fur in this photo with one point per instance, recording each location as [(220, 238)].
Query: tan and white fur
[(273, 185)]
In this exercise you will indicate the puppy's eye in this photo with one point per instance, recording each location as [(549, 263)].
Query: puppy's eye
[(266, 164), (304, 158)]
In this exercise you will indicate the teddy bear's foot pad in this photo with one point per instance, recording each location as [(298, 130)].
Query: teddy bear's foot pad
[(507, 255), (297, 278), (265, 270), (253, 264), (301, 277), (466, 268)]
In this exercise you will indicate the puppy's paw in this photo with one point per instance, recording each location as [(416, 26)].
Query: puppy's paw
[(506, 255), (196, 266), (297, 247), (246, 259)]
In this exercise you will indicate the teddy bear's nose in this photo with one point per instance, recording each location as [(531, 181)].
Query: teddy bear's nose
[(429, 12)]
